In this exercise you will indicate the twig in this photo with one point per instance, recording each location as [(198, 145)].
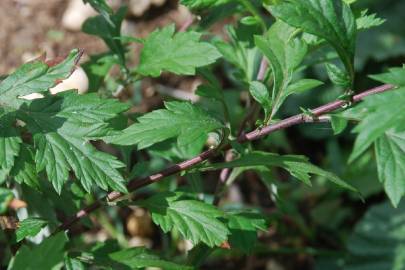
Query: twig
[(251, 136), (260, 77), (298, 119), (176, 93), (224, 175), (263, 69)]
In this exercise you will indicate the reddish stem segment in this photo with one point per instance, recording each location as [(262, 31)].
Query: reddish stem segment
[(251, 136)]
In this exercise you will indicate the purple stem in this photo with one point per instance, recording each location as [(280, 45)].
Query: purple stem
[(251, 136)]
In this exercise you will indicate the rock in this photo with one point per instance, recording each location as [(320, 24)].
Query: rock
[(78, 80), (183, 15), (138, 7), (32, 96), (139, 223), (274, 265), (158, 3), (128, 28), (140, 242), (184, 245), (75, 15)]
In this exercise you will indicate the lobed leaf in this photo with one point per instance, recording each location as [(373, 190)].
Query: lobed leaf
[(284, 53), (24, 170), (378, 241), (34, 77), (195, 220), (62, 126), (379, 113), (240, 52), (46, 255), (243, 226), (330, 20), (109, 255), (366, 21), (29, 227), (381, 123), (395, 76), (10, 142), (390, 155), (182, 120), (179, 53)]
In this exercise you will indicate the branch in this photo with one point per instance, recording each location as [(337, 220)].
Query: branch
[(225, 173), (251, 136)]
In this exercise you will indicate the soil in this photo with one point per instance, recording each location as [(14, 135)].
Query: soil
[(30, 28)]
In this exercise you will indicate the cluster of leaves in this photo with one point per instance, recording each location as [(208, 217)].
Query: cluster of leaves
[(381, 123), (53, 139)]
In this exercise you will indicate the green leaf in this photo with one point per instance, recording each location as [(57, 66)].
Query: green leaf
[(46, 255), (73, 264), (299, 87), (24, 170), (241, 52), (378, 114), (179, 53), (212, 89), (260, 93), (5, 197), (170, 150), (203, 4), (338, 123), (139, 258), (366, 21), (10, 142), (250, 20), (183, 120), (381, 122), (338, 76), (111, 256), (395, 76), (195, 220), (102, 7), (209, 91), (29, 227), (107, 26), (243, 226), (378, 240), (302, 86), (297, 166), (390, 155), (62, 127), (97, 69), (330, 20), (284, 52), (34, 77)]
